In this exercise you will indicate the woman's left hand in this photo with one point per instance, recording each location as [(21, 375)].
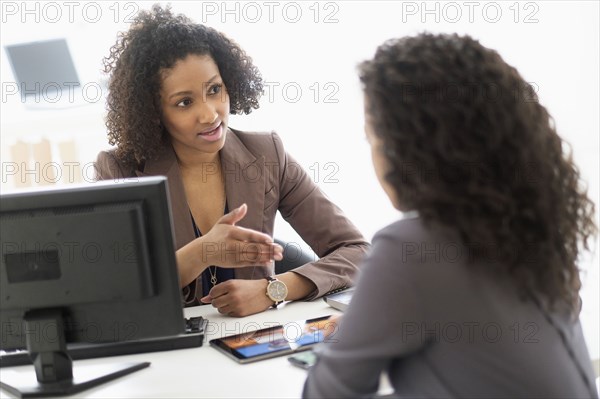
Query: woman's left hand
[(239, 297)]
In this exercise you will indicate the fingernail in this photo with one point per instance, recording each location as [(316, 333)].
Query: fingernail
[(205, 299)]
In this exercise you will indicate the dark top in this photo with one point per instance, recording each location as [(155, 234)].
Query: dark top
[(222, 273), (440, 328)]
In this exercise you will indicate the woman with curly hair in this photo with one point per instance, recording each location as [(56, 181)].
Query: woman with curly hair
[(172, 86), (475, 292)]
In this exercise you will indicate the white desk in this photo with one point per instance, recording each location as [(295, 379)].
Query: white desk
[(205, 372)]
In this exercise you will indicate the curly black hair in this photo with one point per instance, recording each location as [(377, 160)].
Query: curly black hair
[(156, 40), (469, 146)]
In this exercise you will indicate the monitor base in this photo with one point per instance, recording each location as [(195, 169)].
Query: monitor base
[(23, 384)]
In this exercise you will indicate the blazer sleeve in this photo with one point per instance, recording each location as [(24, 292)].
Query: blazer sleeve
[(321, 224), (376, 328)]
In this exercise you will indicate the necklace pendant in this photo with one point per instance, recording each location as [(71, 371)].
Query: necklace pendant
[(213, 276)]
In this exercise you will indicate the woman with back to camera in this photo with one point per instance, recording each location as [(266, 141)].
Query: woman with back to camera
[(172, 87), (475, 292)]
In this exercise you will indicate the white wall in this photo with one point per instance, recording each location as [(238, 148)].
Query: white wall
[(554, 44)]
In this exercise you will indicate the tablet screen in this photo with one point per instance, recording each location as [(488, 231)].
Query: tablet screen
[(274, 341)]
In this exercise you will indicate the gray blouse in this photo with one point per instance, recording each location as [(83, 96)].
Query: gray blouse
[(442, 329)]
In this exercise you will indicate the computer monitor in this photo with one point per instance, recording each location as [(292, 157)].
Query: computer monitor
[(88, 263)]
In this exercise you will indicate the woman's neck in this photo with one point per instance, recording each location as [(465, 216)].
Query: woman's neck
[(196, 160)]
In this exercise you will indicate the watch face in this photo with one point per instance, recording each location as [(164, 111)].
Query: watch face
[(277, 291)]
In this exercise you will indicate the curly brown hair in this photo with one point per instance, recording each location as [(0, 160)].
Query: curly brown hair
[(470, 148), (156, 40)]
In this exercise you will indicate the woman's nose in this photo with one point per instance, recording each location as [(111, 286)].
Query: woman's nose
[(207, 113)]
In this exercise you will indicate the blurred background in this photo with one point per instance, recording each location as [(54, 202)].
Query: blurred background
[(307, 53)]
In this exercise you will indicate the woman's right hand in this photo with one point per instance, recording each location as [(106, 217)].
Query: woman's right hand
[(228, 245)]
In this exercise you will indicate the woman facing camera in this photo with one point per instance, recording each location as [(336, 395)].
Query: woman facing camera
[(172, 87), (475, 292)]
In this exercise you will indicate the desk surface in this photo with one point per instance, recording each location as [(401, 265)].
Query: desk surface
[(205, 372)]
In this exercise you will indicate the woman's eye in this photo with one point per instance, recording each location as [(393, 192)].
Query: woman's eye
[(184, 103), (215, 89)]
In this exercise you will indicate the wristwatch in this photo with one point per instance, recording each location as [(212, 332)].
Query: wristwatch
[(276, 290)]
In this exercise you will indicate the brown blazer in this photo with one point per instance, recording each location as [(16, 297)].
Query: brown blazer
[(260, 173)]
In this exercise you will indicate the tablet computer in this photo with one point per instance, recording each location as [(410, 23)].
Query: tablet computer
[(275, 341), (340, 300)]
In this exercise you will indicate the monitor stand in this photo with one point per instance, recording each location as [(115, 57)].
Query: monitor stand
[(54, 372)]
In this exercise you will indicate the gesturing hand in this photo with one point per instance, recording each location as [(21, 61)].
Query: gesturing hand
[(228, 245)]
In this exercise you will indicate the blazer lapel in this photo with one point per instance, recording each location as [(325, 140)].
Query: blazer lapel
[(244, 180), (244, 183)]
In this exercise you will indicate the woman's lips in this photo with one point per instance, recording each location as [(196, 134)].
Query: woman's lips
[(212, 135)]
